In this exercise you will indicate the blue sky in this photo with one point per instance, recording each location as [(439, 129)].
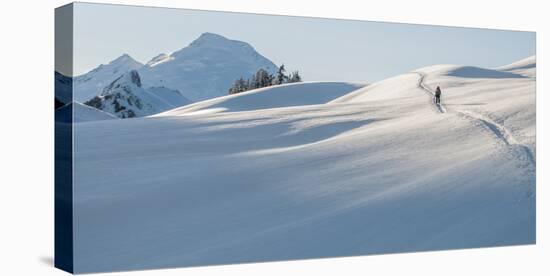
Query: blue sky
[(322, 49)]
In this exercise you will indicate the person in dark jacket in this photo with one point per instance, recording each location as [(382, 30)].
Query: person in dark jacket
[(438, 95)]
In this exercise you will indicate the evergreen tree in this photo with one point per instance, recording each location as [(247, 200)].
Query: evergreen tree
[(262, 78), (267, 79), (281, 77), (240, 85), (295, 77), (256, 80)]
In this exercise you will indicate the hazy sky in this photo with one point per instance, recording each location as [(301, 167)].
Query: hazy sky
[(322, 49)]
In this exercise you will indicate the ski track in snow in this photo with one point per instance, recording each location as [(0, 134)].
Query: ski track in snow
[(501, 132), (426, 89), (497, 129)]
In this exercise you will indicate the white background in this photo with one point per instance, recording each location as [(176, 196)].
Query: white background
[(26, 135)]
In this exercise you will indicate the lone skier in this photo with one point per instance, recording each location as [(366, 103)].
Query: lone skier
[(438, 95)]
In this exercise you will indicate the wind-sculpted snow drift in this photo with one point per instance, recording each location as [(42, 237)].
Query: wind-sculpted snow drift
[(277, 175)]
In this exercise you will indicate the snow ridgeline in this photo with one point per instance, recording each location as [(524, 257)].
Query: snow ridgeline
[(377, 169), (284, 95)]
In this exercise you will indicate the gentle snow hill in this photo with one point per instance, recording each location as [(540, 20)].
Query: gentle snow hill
[(81, 113), (406, 85), (292, 94), (526, 67), (380, 170), (505, 94), (401, 86)]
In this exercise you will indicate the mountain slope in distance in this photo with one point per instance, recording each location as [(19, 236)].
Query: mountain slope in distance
[(91, 84), (205, 69), (125, 97)]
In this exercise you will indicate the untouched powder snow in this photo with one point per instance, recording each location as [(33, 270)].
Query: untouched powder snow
[(380, 169), (293, 94)]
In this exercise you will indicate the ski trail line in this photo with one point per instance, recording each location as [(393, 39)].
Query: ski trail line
[(426, 89), (497, 129), (501, 132)]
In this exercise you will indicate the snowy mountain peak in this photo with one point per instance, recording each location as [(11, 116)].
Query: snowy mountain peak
[(206, 68), (125, 60), (88, 85), (210, 38), (124, 97), (124, 56), (217, 42)]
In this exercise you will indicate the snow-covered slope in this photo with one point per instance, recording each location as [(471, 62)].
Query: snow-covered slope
[(379, 170), (126, 98), (81, 113), (172, 98), (92, 83), (206, 68), (159, 59), (293, 94), (505, 103), (526, 67), (505, 96)]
